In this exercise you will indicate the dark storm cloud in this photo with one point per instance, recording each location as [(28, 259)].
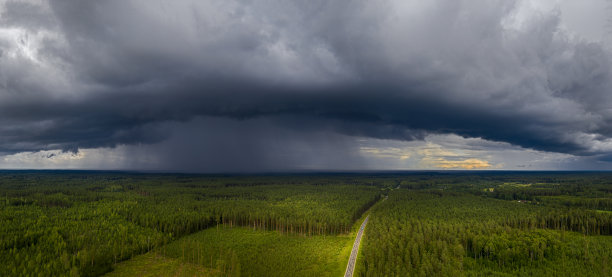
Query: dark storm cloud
[(249, 146), (113, 72)]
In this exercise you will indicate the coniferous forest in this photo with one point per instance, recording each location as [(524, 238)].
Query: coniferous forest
[(80, 223)]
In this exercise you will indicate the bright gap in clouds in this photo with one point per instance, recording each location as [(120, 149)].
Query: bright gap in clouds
[(454, 152)]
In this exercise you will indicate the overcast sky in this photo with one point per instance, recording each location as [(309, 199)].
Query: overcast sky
[(266, 85)]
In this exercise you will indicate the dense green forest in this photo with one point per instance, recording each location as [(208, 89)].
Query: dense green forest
[(79, 223), (83, 223), (548, 226)]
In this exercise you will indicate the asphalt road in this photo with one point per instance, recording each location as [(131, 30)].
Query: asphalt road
[(351, 263)]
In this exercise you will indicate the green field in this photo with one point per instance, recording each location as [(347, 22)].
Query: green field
[(227, 251), (154, 264)]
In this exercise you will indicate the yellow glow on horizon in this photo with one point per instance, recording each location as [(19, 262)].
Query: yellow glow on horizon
[(465, 164), (387, 152)]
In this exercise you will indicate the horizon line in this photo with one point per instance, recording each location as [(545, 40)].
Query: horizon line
[(308, 172)]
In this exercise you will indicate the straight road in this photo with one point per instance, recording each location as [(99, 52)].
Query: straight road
[(351, 263)]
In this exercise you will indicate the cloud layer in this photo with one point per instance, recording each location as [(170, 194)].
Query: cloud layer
[(91, 74)]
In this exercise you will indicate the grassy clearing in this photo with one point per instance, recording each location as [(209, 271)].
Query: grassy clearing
[(153, 264), (515, 184), (243, 252)]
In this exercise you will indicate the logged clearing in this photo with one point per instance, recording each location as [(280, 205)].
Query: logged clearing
[(153, 264), (245, 252)]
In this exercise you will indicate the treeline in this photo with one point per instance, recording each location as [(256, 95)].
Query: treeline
[(73, 225), (447, 233), (301, 209)]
